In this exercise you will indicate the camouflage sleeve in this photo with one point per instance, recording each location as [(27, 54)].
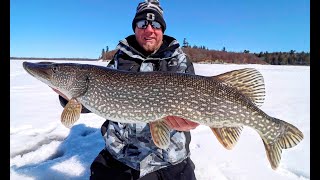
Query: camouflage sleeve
[(113, 62), (190, 68), (184, 64), (122, 61)]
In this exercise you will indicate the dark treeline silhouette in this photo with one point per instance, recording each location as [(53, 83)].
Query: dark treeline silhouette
[(39, 58), (285, 58), (104, 53), (201, 54), (109, 55)]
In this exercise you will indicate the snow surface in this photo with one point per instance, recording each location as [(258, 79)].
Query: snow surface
[(42, 148)]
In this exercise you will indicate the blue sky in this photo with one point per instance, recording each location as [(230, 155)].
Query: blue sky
[(81, 28)]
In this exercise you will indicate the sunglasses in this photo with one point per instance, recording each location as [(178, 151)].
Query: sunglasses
[(143, 24)]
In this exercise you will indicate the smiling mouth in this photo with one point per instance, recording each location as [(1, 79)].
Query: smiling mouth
[(148, 39)]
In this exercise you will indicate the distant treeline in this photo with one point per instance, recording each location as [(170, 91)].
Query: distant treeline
[(68, 59), (203, 55), (285, 58)]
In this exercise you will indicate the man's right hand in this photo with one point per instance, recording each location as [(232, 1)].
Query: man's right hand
[(180, 124)]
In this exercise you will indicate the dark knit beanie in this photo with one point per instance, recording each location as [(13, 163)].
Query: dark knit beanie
[(149, 10)]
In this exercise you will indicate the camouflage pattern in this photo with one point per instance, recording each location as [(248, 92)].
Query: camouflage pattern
[(131, 143)]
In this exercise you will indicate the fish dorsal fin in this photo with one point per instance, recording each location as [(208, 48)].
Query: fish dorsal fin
[(248, 81), (228, 136), (160, 133), (71, 112)]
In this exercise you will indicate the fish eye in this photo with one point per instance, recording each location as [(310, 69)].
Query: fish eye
[(54, 69)]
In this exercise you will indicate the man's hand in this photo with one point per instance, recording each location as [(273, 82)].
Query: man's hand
[(60, 93), (180, 124)]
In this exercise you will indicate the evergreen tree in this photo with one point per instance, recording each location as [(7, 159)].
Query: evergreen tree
[(185, 43), (103, 54)]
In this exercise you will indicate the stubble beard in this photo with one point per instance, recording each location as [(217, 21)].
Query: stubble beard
[(150, 47)]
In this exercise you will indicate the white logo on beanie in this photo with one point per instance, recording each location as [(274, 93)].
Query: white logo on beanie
[(150, 17)]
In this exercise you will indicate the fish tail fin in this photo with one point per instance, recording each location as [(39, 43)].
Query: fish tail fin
[(290, 137), (273, 153)]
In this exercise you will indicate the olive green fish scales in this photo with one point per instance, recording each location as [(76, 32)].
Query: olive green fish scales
[(149, 96), (225, 103)]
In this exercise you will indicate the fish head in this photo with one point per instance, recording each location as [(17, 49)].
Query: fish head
[(69, 78)]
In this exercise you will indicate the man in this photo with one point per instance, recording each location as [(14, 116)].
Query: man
[(130, 152)]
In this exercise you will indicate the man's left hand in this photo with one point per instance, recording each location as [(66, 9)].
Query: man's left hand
[(180, 124)]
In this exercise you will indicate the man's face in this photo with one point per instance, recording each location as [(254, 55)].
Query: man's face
[(150, 39)]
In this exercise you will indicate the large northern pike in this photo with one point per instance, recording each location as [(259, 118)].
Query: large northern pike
[(225, 102)]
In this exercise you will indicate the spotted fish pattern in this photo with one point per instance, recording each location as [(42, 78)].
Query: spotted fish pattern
[(225, 102)]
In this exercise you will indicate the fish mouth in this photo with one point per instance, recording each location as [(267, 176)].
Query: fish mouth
[(40, 70), (26, 67)]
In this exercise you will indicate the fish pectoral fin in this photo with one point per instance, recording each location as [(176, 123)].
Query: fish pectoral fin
[(71, 113), (227, 136), (160, 133)]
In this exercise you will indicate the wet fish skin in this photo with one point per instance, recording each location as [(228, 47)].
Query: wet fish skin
[(225, 102)]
